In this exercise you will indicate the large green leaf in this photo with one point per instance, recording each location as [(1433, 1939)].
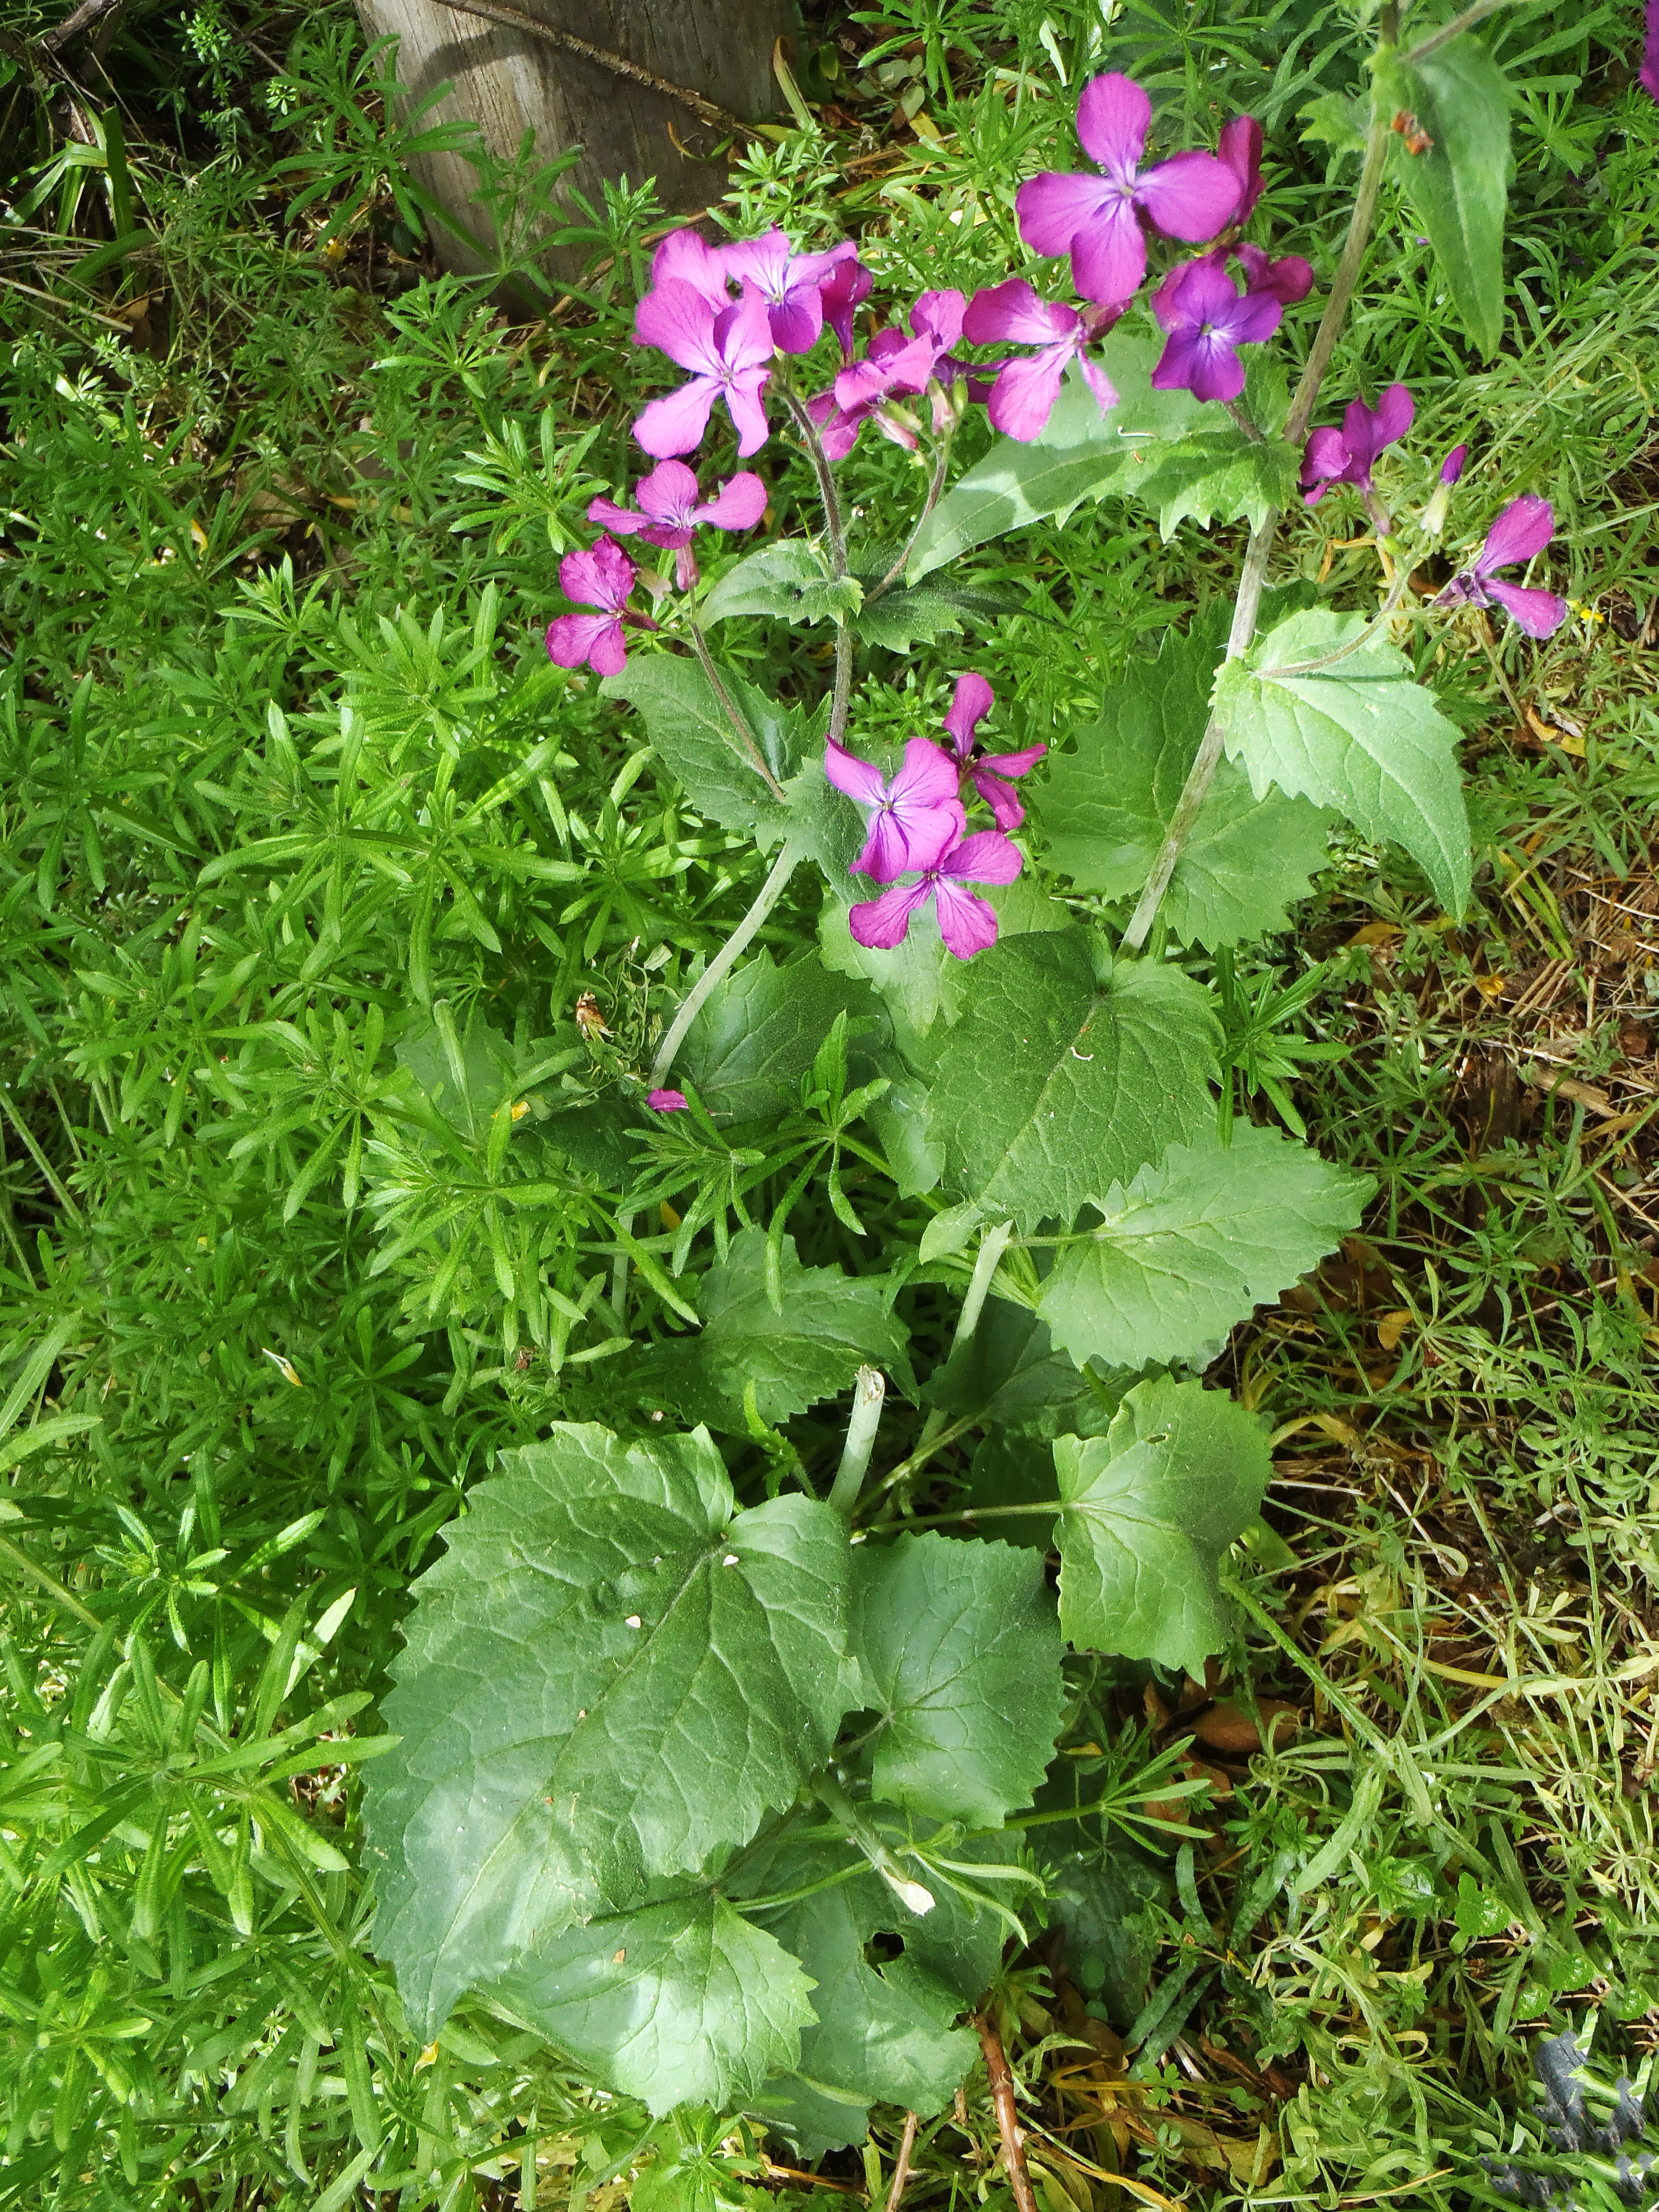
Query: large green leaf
[(830, 1325), (1056, 1079), (755, 1033), (885, 2032), (905, 615), (679, 2000), (1359, 737), (1106, 805), (791, 580), (693, 735), (961, 1652), (1193, 1242), (1459, 186), (611, 1674), (1150, 1508)]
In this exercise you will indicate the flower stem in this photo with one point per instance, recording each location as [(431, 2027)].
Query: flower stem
[(1001, 2083), (936, 485), (820, 460), (1253, 579), (745, 736), (868, 1392), (1455, 29), (840, 706)]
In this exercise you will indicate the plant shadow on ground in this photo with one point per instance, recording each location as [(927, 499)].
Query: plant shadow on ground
[(1341, 1888)]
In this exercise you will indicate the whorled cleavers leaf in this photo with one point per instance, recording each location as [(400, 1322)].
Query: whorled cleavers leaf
[(611, 1675), (961, 1652), (1192, 1244), (1149, 1509)]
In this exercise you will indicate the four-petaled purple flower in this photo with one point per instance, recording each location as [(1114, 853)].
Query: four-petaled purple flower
[(973, 700), (913, 819), (667, 1102), (728, 350), (790, 283), (1097, 220), (1525, 527), (1027, 386), (669, 512), (1345, 456), (968, 924), (1208, 318), (601, 577)]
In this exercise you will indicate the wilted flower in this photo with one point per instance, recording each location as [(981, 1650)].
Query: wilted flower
[(790, 283), (601, 577), (973, 700), (1208, 318), (669, 512), (1026, 387), (1289, 279), (729, 352), (1525, 527), (968, 924), (913, 819), (1345, 456), (1098, 219)]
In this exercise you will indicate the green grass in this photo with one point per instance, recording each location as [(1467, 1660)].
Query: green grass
[(283, 763)]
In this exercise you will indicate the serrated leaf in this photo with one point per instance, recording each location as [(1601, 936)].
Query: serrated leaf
[(1458, 186), (1194, 1243), (612, 1673), (907, 615), (1151, 1507), (1338, 121), (791, 580), (824, 825), (1010, 1377), (755, 1033), (1359, 737), (677, 2002), (1219, 474), (693, 734), (960, 1649), (884, 2031), (1051, 1080), (1107, 805), (831, 1325)]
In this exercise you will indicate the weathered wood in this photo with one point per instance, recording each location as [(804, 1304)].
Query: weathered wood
[(508, 81)]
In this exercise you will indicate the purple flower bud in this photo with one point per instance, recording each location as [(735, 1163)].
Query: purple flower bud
[(667, 1102), (1452, 467)]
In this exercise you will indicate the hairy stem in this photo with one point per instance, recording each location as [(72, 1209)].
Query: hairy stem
[(820, 460), (868, 1394), (1455, 29), (936, 485), (1007, 2112), (902, 2170), (744, 735), (840, 706), (721, 965), (1253, 579)]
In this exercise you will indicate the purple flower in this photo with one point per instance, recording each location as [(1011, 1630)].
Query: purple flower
[(729, 352), (1241, 150), (669, 512), (684, 258), (1208, 318), (972, 703), (1345, 456), (1288, 279), (667, 1102), (789, 283), (968, 925), (1525, 527), (892, 363), (1027, 386), (846, 288), (602, 577), (1097, 220), (1452, 467), (1650, 52), (914, 818)]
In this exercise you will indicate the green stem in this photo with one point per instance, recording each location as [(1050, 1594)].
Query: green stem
[(935, 487), (745, 736), (1455, 29), (868, 1394), (54, 1589), (820, 460), (924, 1451), (723, 962), (1055, 1506)]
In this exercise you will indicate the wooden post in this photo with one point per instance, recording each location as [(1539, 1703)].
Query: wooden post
[(508, 79)]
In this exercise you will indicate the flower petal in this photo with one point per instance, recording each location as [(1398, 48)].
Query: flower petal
[(1190, 196), (1113, 117), (666, 1102), (1052, 210), (861, 780), (1541, 614), (1325, 460), (1098, 382), (926, 778), (748, 415), (623, 519), (1394, 409), (738, 505), (1022, 397), (932, 831), (987, 857), (1018, 763), (1197, 292), (968, 925), (886, 850), (1013, 311), (796, 322), (599, 576), (1109, 255), (846, 288), (1241, 150), (675, 424), (1525, 527), (1649, 71), (679, 321), (668, 494), (971, 702), (881, 923), (1178, 362), (1001, 798), (684, 258), (574, 639), (762, 261)]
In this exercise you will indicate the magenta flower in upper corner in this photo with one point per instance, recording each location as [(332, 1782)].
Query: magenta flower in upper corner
[(842, 292), (790, 285), (1027, 386), (667, 1102), (685, 258), (973, 700), (729, 352), (1208, 318), (601, 577), (1098, 220), (968, 924), (669, 511), (1525, 527), (1345, 456), (913, 819), (1651, 50), (1240, 148)]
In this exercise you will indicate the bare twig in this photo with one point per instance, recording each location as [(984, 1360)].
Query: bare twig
[(89, 13), (515, 19), (1008, 2126), (902, 2170)]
